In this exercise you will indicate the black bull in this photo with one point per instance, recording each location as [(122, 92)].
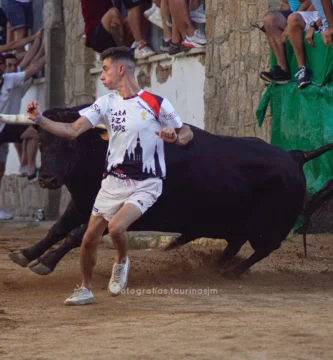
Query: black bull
[(238, 189)]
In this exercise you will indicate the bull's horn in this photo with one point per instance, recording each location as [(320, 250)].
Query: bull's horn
[(101, 126), (15, 119)]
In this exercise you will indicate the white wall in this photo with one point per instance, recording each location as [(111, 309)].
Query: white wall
[(36, 92), (184, 88)]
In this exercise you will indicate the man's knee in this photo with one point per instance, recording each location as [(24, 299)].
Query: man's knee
[(116, 229), (272, 20), (90, 240), (296, 20)]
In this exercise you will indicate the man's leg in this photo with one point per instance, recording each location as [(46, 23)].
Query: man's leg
[(113, 24), (167, 33), (88, 257), (181, 18), (297, 24), (275, 23), (118, 226), (3, 158), (88, 252)]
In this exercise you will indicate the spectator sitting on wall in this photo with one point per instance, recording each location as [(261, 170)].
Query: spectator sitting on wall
[(19, 14), (10, 99), (299, 22), (275, 25), (106, 24)]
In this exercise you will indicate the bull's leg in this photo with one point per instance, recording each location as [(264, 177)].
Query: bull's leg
[(70, 220), (180, 240), (230, 251), (47, 263), (239, 269)]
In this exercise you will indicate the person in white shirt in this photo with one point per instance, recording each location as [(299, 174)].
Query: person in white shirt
[(137, 123)]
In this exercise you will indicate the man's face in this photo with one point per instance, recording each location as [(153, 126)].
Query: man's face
[(11, 65), (111, 74)]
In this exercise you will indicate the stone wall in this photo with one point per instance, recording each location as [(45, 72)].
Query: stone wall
[(236, 53)]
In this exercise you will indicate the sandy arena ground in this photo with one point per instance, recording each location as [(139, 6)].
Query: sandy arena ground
[(282, 310)]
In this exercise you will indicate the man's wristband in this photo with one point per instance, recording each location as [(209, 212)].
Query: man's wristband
[(39, 118)]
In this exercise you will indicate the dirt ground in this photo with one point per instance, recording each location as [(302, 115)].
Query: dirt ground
[(177, 305)]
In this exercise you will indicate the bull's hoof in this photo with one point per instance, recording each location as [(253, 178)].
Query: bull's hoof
[(39, 268), (18, 258)]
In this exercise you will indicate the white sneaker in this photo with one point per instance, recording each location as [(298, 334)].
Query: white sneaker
[(80, 296), (119, 277), (198, 15), (197, 40), (156, 19), (5, 216), (150, 11), (143, 51)]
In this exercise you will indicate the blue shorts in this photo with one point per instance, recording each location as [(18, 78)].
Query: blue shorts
[(19, 14)]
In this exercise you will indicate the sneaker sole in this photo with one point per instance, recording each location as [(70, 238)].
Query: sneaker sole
[(280, 82), (303, 85), (117, 294), (81, 302)]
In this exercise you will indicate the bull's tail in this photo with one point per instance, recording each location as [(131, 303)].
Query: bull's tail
[(319, 200), (303, 157)]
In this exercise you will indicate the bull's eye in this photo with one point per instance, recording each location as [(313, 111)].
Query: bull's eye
[(71, 144)]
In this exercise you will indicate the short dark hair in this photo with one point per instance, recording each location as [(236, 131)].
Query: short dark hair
[(118, 53), (10, 56)]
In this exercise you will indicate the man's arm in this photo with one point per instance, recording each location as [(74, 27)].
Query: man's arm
[(180, 136), (34, 68), (32, 54), (68, 131), (16, 44)]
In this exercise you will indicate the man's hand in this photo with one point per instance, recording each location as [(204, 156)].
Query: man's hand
[(327, 36), (284, 35), (168, 135), (309, 36), (33, 110)]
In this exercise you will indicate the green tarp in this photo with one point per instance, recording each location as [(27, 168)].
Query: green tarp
[(303, 119)]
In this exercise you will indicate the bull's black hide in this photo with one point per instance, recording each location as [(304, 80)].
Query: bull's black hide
[(238, 189)]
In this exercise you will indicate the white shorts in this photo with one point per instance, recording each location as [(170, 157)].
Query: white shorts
[(3, 152), (115, 192), (308, 17)]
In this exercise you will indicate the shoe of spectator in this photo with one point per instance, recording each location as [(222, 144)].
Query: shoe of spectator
[(150, 11), (33, 177), (4, 215), (175, 48), (277, 75), (198, 15), (169, 21), (198, 40), (303, 77), (143, 51), (156, 19), (23, 171), (165, 47)]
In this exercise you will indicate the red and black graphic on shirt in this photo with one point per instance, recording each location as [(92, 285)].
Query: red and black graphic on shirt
[(133, 164)]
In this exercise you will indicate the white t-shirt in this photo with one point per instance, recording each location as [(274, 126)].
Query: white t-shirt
[(10, 92), (135, 151)]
